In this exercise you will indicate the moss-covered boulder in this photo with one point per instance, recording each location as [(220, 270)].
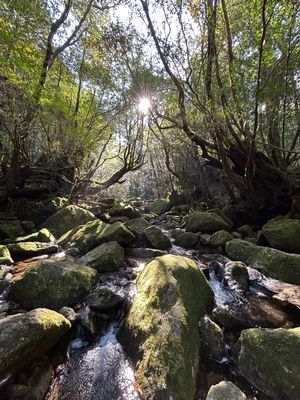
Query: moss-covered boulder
[(11, 229), (157, 238), (105, 258), (206, 222), (43, 235), (95, 233), (283, 234), (161, 330), (269, 359), (160, 206), (137, 226), (225, 390), (220, 238), (29, 249), (25, 337), (274, 263), (124, 210), (236, 275), (68, 218), (212, 339), (246, 231), (53, 284), (144, 252), (187, 240), (103, 298), (5, 257)]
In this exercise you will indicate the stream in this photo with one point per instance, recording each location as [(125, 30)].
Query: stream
[(96, 366)]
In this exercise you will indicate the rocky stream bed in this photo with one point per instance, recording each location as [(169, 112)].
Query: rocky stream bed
[(150, 304)]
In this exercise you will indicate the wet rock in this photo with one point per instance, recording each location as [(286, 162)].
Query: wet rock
[(187, 240), (5, 257), (220, 238), (11, 229), (39, 380), (204, 239), (160, 207), (157, 238), (283, 234), (53, 284), (177, 232), (5, 278), (124, 210), (212, 340), (104, 298), (105, 258), (269, 359), (273, 262), (95, 233), (143, 252), (225, 390), (137, 226), (30, 249), (43, 236), (25, 337), (68, 313), (246, 231), (68, 218), (236, 275), (161, 330), (206, 222)]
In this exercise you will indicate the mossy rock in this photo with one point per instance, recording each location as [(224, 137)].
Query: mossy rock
[(220, 238), (206, 222), (29, 249), (103, 298), (124, 210), (160, 207), (225, 390), (5, 257), (97, 232), (43, 236), (137, 225), (177, 232), (187, 240), (107, 257), (68, 218), (212, 339), (157, 238), (161, 330), (65, 238), (246, 231), (26, 337), (269, 359), (53, 284), (144, 252), (274, 263), (283, 234), (9, 230)]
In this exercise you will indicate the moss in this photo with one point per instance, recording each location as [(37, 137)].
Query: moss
[(273, 262), (5, 257), (160, 206), (283, 234), (206, 222), (157, 238), (124, 210), (105, 258), (187, 240), (163, 321), (220, 238), (269, 359)]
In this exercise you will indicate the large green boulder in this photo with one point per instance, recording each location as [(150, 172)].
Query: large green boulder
[(274, 263), (28, 336), (269, 359), (157, 238), (220, 238), (161, 331), (53, 284), (187, 240), (5, 257), (124, 210), (207, 222), (105, 258), (44, 236), (30, 249), (97, 232), (160, 206), (68, 218), (137, 226), (283, 234)]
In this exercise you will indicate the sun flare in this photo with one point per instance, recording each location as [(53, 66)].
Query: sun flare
[(144, 105)]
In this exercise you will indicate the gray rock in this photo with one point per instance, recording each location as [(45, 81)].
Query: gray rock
[(105, 258), (206, 222), (225, 390), (212, 340), (157, 238), (104, 298)]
